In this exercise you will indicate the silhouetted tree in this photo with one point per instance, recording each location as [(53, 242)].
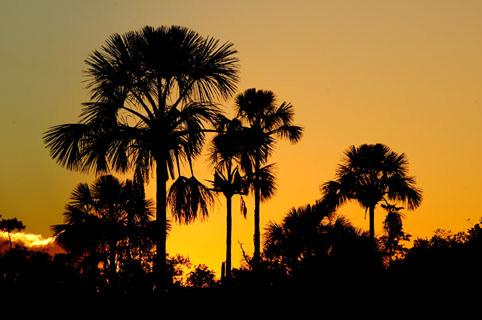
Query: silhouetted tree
[(201, 277), (453, 256), (369, 174), (178, 266), (9, 226), (297, 236), (99, 218), (151, 98), (394, 234), (312, 242), (266, 120), (138, 226), (226, 157)]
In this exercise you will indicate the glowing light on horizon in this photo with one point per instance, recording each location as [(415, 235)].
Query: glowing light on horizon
[(30, 240)]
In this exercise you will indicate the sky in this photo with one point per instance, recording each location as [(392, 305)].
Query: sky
[(404, 73)]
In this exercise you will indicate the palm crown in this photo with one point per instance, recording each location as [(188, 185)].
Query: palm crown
[(150, 94), (369, 174), (101, 216)]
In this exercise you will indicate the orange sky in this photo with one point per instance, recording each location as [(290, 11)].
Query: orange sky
[(405, 73)]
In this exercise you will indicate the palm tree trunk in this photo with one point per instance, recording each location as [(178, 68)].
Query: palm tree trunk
[(160, 263), (10, 240), (257, 200), (92, 273), (229, 226), (372, 222), (112, 264), (130, 234)]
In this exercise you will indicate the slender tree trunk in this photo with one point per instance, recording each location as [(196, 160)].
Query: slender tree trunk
[(92, 273), (10, 240), (372, 222), (160, 263), (229, 226), (112, 265), (223, 271), (257, 201), (130, 234)]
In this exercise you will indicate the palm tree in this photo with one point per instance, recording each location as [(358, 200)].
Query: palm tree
[(228, 180), (296, 237), (151, 99), (201, 277), (369, 174), (9, 226), (393, 226), (100, 216), (312, 241), (266, 120)]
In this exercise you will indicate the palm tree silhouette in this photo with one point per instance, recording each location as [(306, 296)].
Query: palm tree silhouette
[(99, 217), (266, 120), (369, 174), (313, 240), (151, 99), (10, 225), (393, 226), (226, 155), (297, 236)]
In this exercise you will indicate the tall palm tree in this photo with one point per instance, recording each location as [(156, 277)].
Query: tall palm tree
[(228, 180), (369, 174), (98, 218), (151, 99), (266, 120)]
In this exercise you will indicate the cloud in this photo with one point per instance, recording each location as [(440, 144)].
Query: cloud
[(31, 241)]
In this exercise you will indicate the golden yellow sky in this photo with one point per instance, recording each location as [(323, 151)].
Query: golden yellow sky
[(404, 73)]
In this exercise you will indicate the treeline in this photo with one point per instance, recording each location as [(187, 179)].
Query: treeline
[(309, 249)]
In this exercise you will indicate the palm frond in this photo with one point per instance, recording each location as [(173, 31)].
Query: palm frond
[(243, 208), (66, 143), (267, 181), (81, 196), (290, 132), (216, 71), (333, 195), (188, 199), (253, 104), (402, 188), (282, 115)]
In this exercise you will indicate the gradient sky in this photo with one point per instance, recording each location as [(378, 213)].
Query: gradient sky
[(404, 73)]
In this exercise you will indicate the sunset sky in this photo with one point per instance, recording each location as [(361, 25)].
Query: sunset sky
[(404, 73)]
